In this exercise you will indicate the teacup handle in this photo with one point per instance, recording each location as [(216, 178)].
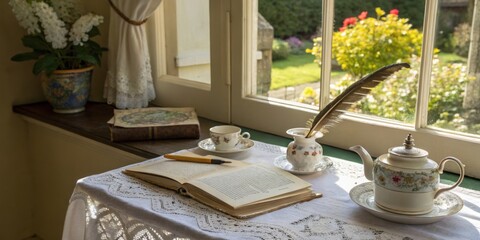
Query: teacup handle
[(459, 180), (245, 135)]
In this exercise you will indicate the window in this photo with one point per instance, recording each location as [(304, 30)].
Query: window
[(188, 38), (376, 133), (235, 55), (190, 56)]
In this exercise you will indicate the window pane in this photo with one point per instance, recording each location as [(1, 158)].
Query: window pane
[(285, 30), (367, 35), (454, 100), (370, 35), (189, 42)]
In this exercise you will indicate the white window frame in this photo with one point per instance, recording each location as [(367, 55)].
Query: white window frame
[(209, 100), (375, 134), (227, 99)]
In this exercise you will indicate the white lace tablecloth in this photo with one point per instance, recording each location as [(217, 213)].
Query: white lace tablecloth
[(112, 205)]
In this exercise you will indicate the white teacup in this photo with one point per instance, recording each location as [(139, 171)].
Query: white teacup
[(227, 137)]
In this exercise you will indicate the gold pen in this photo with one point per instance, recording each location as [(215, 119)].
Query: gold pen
[(195, 159)]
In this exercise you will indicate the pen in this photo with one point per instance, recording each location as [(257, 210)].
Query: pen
[(195, 159)]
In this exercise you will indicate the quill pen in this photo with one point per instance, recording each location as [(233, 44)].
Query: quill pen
[(329, 116)]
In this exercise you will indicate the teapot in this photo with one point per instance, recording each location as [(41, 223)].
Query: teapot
[(405, 180)]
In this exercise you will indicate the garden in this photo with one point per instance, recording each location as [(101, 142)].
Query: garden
[(365, 41)]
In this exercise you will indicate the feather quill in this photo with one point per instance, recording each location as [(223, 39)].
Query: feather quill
[(329, 116)]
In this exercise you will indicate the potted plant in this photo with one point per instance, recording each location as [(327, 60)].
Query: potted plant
[(64, 54)]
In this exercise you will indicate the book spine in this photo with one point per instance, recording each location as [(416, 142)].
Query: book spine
[(118, 134)]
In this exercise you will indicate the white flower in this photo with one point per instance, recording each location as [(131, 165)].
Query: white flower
[(78, 33), (24, 14), (67, 10), (53, 28)]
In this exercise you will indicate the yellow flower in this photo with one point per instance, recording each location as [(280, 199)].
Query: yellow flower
[(379, 12)]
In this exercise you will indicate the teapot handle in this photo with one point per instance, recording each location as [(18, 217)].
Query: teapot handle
[(460, 178)]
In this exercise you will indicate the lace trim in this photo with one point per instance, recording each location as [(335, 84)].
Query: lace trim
[(104, 222), (130, 92), (172, 206)]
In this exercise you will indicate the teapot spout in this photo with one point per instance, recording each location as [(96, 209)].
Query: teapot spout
[(366, 159)]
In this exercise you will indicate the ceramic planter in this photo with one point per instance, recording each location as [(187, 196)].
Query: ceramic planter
[(67, 91)]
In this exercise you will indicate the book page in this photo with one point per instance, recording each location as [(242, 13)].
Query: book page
[(249, 184), (181, 171)]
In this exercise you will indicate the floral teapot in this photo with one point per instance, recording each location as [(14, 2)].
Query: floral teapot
[(405, 180)]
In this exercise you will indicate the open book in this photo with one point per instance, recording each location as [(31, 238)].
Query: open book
[(238, 188)]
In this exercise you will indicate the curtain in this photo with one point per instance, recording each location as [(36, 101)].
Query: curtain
[(129, 82)]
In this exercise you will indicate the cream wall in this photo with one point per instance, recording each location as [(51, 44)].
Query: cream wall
[(19, 192), (55, 172), (193, 57)]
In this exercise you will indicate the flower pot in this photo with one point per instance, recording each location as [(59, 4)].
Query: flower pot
[(67, 90)]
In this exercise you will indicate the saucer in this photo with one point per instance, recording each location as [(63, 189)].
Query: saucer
[(283, 163), (243, 145), (446, 204)]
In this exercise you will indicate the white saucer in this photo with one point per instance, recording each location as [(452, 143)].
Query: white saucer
[(445, 205), (208, 145), (283, 163)]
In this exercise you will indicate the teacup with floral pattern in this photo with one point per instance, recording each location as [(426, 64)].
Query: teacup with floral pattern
[(227, 137)]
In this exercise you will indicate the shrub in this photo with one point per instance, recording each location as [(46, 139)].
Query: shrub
[(414, 10), (280, 49), (395, 98), (303, 17), (309, 96), (364, 44), (461, 39), (296, 45), (292, 17)]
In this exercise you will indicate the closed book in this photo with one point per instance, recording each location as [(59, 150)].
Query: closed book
[(154, 123)]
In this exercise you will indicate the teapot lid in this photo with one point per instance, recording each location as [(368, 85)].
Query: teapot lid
[(408, 150)]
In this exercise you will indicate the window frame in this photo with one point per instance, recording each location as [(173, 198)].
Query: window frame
[(375, 134), (228, 100), (210, 100)]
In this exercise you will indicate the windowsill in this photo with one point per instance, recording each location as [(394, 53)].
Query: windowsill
[(92, 124)]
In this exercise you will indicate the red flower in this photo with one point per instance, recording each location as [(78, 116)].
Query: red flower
[(363, 15), (349, 21), (342, 29), (396, 179), (394, 11)]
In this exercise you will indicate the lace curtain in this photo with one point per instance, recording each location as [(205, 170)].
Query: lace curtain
[(129, 82)]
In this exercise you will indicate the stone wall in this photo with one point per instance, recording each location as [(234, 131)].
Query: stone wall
[(264, 65)]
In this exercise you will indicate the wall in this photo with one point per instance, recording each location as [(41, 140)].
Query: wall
[(18, 86), (58, 159), (193, 23)]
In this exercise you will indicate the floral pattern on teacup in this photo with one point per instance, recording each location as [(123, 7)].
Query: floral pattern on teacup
[(215, 139), (406, 181)]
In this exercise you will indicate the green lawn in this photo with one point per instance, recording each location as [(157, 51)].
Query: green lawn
[(451, 58), (296, 70), (300, 69)]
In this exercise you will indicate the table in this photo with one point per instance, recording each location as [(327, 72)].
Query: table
[(112, 205)]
